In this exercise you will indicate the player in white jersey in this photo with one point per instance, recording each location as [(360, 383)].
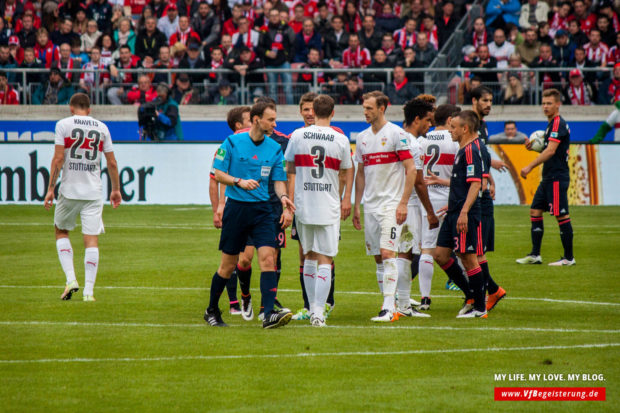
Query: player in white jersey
[(439, 152), (385, 178), (316, 157), (79, 142), (418, 119)]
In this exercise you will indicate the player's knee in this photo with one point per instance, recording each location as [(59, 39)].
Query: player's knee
[(563, 217), (536, 212), (244, 262), (387, 254)]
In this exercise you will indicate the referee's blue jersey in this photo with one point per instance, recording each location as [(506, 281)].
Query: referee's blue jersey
[(241, 157)]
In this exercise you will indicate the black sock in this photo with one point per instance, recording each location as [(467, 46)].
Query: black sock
[(278, 268), (490, 285), (538, 229), (303, 287), (476, 282), (566, 234), (330, 297), (268, 289), (217, 288), (244, 275), (415, 265), (231, 288), (455, 273)]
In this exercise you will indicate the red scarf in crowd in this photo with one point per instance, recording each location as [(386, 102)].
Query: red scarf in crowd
[(215, 65), (400, 85)]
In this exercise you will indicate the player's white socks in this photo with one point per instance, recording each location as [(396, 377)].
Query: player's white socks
[(323, 285), (380, 276), (91, 263), (310, 273), (65, 255), (425, 274), (403, 286), (390, 277)]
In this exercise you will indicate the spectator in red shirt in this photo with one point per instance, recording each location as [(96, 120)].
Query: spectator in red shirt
[(144, 92), (125, 61), (596, 50), (297, 24), (45, 51), (355, 56), (311, 8), (185, 33), (231, 25), (8, 95), (586, 20), (87, 79)]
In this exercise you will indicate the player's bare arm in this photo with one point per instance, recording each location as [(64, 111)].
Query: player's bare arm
[(499, 165), (435, 180), (472, 194), (214, 197), (288, 206), (345, 204), (115, 195), (224, 178), (422, 191), (544, 156), (410, 178), (360, 183), (291, 175), (491, 183), (57, 162)]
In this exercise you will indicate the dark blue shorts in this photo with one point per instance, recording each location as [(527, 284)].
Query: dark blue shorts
[(244, 219), (552, 196), (462, 243), (280, 233)]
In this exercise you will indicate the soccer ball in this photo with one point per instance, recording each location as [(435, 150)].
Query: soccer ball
[(537, 140)]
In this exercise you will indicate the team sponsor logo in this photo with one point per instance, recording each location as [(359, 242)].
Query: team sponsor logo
[(220, 154), (265, 170), (471, 171), (554, 134)]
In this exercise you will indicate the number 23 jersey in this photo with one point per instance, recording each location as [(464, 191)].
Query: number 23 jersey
[(84, 139), (319, 153)]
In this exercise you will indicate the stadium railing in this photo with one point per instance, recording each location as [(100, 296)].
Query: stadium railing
[(445, 87)]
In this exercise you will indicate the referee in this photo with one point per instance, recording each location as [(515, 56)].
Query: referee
[(247, 163)]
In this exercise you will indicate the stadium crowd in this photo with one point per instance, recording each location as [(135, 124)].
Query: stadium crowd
[(246, 35)]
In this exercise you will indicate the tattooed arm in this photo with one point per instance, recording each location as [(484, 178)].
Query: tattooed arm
[(57, 162)]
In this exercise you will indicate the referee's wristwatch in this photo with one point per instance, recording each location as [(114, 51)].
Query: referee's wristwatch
[(236, 181)]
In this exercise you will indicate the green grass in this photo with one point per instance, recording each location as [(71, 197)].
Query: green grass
[(148, 349)]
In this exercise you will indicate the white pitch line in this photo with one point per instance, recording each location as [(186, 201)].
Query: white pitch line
[(305, 355), (303, 326), (285, 290)]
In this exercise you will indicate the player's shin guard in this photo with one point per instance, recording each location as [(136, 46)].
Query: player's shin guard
[(231, 288), (455, 273), (310, 274), (403, 285), (490, 285), (91, 263), (426, 274), (415, 265), (566, 234), (323, 284), (380, 277), (65, 255), (268, 289), (538, 230), (218, 284), (245, 276), (330, 297), (303, 288), (390, 278), (476, 283)]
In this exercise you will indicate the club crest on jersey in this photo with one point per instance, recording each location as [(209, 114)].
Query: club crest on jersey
[(220, 154), (470, 170), (554, 134), (383, 141)]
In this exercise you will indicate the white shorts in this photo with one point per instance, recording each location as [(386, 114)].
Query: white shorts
[(421, 236), (322, 239), (90, 211), (381, 232)]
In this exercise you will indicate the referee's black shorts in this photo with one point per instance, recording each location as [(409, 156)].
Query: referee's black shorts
[(280, 233), (247, 219)]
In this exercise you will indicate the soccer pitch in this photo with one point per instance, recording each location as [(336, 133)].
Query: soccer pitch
[(143, 346)]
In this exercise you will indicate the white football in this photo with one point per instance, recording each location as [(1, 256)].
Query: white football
[(537, 140)]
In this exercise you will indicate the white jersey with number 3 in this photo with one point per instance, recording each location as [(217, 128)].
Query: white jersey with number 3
[(382, 155), (439, 151), (319, 153), (84, 139)]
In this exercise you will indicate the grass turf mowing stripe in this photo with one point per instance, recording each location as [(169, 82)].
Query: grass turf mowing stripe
[(300, 355), (253, 325), (284, 290)]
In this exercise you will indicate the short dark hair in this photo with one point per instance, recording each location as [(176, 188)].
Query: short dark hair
[(336, 17), (323, 106), (80, 101), (445, 111), (235, 115), (510, 122), (307, 97), (126, 47), (381, 99), (552, 93), (3, 73), (416, 108), (470, 118), (480, 91), (265, 99), (258, 109)]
